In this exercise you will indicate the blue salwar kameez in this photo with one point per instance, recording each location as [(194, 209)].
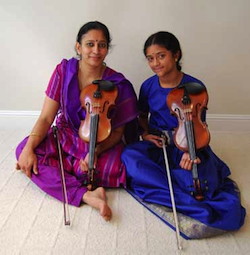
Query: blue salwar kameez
[(147, 177)]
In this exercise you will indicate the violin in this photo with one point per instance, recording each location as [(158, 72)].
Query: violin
[(98, 99), (187, 102)]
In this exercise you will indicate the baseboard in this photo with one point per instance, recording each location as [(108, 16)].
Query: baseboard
[(228, 122), (216, 122), (19, 113), (18, 119)]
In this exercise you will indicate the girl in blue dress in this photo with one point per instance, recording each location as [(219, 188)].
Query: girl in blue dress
[(144, 160)]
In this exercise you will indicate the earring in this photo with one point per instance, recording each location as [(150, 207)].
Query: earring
[(79, 55), (176, 59)]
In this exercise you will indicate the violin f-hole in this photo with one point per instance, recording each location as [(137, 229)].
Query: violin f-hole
[(179, 113), (197, 107), (103, 107)]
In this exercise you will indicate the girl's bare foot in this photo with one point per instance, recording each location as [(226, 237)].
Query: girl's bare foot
[(97, 199)]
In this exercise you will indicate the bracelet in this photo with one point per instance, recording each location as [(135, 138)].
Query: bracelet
[(35, 134)]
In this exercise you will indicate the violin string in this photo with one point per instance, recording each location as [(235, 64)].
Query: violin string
[(190, 146), (197, 187), (94, 121), (190, 141), (190, 131), (188, 128)]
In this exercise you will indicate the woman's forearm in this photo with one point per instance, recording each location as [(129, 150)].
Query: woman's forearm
[(40, 129), (38, 133)]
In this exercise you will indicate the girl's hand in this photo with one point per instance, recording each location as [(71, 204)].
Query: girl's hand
[(186, 162), (27, 162), (153, 138)]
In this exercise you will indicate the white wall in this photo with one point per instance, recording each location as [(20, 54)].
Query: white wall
[(36, 35)]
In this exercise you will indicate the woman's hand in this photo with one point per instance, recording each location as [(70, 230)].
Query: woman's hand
[(153, 138), (186, 162), (84, 163), (27, 162)]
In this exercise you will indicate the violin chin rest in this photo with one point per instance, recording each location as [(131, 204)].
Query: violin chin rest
[(193, 88), (104, 84)]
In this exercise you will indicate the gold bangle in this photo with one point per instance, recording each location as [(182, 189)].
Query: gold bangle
[(34, 134)]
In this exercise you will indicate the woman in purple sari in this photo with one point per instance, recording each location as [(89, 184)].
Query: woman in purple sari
[(37, 154)]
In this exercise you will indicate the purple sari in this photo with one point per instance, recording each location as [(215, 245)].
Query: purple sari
[(63, 88)]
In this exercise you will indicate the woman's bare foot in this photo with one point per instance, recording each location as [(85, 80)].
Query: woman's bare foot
[(98, 200)]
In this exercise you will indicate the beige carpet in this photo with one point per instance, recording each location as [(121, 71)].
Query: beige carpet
[(31, 222)]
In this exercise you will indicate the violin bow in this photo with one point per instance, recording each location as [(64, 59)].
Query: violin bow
[(177, 230), (64, 189)]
